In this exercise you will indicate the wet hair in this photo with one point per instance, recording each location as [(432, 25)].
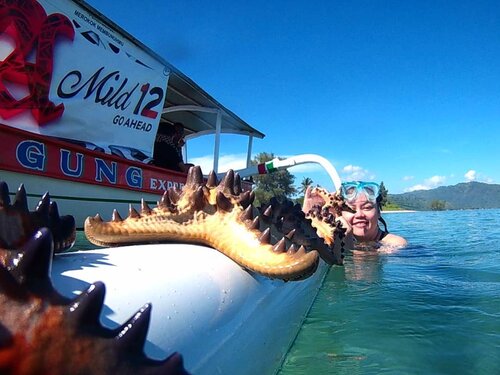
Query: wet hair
[(380, 218)]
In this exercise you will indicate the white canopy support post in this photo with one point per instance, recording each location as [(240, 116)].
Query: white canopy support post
[(249, 150), (185, 152), (218, 127)]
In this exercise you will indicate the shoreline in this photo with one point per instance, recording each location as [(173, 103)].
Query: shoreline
[(397, 211)]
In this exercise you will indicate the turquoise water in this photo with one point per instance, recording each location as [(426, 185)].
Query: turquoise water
[(432, 308)]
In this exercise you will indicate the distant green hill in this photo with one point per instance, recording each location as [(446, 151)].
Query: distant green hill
[(461, 196)]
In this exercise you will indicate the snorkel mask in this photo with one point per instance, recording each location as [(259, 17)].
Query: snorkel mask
[(351, 190)]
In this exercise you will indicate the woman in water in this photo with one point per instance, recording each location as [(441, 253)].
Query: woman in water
[(362, 224)]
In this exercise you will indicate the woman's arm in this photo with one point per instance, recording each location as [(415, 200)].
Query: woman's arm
[(311, 199)]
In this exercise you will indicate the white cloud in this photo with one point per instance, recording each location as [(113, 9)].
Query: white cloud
[(408, 178), (232, 161), (435, 181), (471, 175), (355, 172), (416, 187), (429, 183)]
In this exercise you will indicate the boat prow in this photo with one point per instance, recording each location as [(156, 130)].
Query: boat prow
[(220, 317)]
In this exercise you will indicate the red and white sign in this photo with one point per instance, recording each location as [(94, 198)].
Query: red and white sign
[(66, 73), (29, 153)]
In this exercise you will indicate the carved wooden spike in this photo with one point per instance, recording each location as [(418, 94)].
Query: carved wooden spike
[(237, 184), (34, 266), (162, 203), (4, 194), (252, 197), (21, 201), (145, 210), (173, 195), (86, 308), (194, 177), (301, 251), (244, 199), (188, 177), (223, 203), (166, 202), (199, 199), (280, 221), (290, 234), (132, 335), (255, 224), (115, 217), (43, 205), (247, 214), (198, 175), (132, 212), (292, 249), (228, 182), (268, 212), (212, 180), (54, 211), (265, 237), (280, 246)]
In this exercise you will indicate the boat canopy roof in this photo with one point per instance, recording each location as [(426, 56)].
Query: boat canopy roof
[(188, 103), (201, 114)]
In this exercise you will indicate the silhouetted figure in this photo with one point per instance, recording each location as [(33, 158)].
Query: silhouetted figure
[(168, 147)]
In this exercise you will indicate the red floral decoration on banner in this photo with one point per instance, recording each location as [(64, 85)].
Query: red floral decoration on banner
[(31, 30)]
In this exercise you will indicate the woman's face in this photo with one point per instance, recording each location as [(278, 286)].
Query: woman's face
[(364, 222)]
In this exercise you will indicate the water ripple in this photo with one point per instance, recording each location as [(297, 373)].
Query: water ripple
[(433, 307)]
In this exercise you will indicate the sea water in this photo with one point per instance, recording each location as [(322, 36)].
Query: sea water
[(431, 308)]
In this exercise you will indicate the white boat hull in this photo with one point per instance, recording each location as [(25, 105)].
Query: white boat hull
[(78, 199), (222, 319)]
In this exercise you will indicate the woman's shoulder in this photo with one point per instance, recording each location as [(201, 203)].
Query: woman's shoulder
[(394, 240)]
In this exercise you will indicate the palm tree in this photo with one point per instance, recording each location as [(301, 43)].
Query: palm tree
[(306, 182), (278, 184)]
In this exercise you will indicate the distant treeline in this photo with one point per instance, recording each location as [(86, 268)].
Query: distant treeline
[(468, 195)]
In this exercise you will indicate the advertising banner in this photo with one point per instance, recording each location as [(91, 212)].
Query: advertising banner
[(32, 154), (65, 72)]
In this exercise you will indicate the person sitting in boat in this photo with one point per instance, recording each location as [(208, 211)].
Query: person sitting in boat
[(168, 147), (362, 225)]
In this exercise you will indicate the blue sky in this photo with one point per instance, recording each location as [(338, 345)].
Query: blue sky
[(405, 92)]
